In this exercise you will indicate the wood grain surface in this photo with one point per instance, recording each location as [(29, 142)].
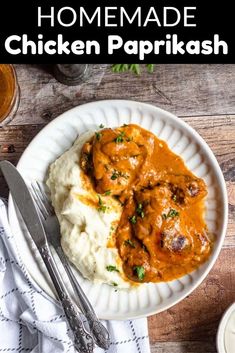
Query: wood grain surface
[(185, 90), (201, 95)]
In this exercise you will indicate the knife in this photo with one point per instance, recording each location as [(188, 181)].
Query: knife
[(83, 341)]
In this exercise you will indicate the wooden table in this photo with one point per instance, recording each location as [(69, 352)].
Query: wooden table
[(203, 96)]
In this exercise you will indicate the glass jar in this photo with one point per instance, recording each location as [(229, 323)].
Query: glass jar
[(72, 74), (9, 93)]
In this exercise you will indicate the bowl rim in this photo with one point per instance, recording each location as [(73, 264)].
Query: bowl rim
[(222, 328)]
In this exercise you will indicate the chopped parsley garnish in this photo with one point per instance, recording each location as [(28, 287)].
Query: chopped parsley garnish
[(98, 135), (120, 137), (102, 207), (129, 242), (115, 175), (139, 210), (101, 126), (172, 213), (107, 192), (174, 198), (112, 268), (133, 219), (124, 125), (114, 284), (140, 271)]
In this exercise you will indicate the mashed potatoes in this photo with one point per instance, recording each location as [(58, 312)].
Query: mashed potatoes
[(86, 230)]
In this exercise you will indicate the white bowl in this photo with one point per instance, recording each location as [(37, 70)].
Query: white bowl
[(221, 338), (59, 135)]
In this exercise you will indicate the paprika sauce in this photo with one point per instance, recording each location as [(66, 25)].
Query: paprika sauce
[(162, 234)]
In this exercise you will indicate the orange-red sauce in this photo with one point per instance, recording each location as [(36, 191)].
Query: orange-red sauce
[(162, 234)]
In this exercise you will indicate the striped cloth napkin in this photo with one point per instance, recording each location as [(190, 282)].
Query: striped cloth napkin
[(30, 321)]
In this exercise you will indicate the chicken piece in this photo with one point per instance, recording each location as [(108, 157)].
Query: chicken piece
[(161, 225), (162, 233), (173, 240), (186, 189), (117, 157)]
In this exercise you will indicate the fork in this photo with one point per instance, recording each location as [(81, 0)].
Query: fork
[(52, 228)]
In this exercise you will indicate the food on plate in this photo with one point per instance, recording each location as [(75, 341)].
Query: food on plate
[(130, 210)]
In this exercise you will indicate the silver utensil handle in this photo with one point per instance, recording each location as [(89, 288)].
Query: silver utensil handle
[(83, 342), (98, 330)]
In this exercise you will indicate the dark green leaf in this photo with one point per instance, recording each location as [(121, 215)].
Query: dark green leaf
[(120, 137), (135, 68), (139, 210), (172, 213), (133, 219), (150, 67), (111, 268), (140, 271), (98, 135), (102, 207), (115, 175)]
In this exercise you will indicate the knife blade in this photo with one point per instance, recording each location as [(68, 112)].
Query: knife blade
[(83, 341), (24, 202)]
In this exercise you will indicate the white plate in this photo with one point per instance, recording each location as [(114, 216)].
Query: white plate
[(59, 135)]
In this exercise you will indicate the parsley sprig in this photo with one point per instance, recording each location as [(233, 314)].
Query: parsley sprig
[(133, 219), (98, 135), (112, 268), (171, 214), (135, 68), (116, 174), (140, 271), (120, 137), (102, 207), (139, 210)]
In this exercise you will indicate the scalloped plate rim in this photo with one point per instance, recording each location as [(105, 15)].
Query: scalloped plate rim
[(195, 135)]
